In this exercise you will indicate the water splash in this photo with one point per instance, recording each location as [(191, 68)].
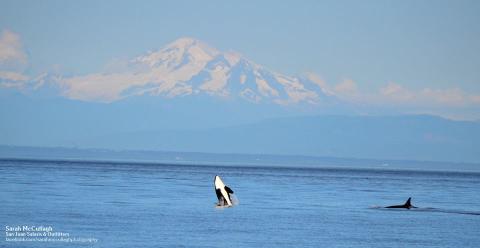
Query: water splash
[(234, 199)]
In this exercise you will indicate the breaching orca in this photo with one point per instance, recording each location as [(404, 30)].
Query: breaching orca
[(407, 205), (223, 193)]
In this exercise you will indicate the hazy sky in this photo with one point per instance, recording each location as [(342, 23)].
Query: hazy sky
[(408, 45)]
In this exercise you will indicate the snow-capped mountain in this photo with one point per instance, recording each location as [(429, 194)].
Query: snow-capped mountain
[(190, 67)]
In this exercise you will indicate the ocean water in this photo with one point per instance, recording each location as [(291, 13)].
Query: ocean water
[(159, 205)]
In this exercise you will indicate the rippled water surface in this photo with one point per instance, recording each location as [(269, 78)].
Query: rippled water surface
[(154, 205)]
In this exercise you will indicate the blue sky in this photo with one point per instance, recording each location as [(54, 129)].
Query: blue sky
[(413, 45)]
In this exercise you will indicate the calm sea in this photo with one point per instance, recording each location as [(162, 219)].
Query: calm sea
[(90, 204)]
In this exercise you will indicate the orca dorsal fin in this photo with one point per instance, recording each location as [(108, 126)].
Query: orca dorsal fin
[(408, 203)]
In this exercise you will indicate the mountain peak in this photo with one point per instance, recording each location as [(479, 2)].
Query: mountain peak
[(191, 44), (184, 42), (179, 52)]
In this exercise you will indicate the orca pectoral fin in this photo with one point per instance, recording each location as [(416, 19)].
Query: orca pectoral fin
[(229, 190)]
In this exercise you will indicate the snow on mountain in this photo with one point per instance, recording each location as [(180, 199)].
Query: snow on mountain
[(190, 67)]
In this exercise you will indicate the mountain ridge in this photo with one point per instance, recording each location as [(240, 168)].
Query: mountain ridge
[(99, 156), (184, 68)]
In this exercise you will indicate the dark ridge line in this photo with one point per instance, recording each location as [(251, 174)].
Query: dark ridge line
[(233, 165)]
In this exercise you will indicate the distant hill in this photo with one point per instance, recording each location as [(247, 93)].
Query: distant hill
[(100, 156), (407, 137), (383, 137)]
